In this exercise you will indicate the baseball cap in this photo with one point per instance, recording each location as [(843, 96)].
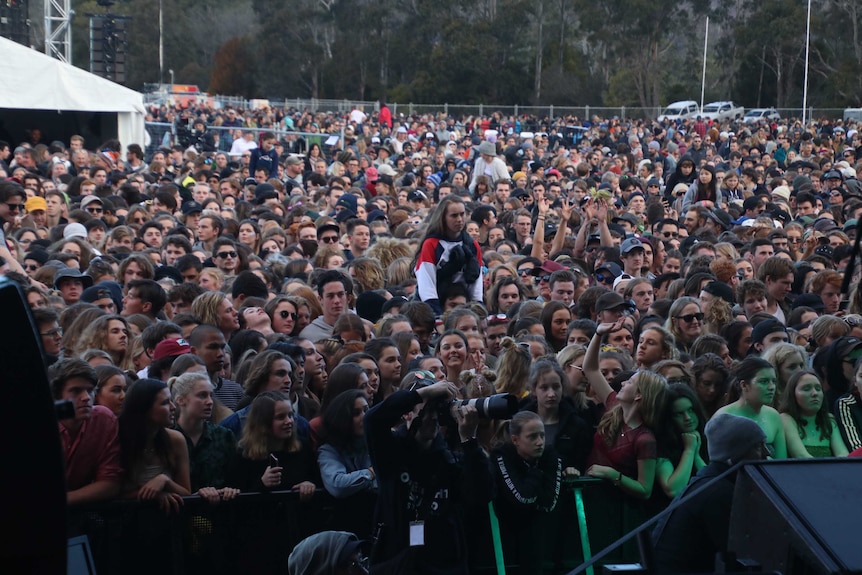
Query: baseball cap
[(631, 244), (611, 267), (547, 267), (609, 301), (192, 207), (35, 204), (171, 347), (89, 200)]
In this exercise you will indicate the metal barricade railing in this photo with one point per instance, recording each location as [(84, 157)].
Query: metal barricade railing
[(256, 532), (164, 135)]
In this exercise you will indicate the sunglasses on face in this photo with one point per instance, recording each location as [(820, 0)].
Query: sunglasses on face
[(690, 317), (16, 207), (225, 255), (95, 210), (670, 234), (329, 239), (284, 314), (603, 279)]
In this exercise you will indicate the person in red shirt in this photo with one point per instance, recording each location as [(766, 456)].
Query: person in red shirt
[(385, 115), (91, 448)]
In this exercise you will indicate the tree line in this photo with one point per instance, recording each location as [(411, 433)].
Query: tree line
[(637, 53)]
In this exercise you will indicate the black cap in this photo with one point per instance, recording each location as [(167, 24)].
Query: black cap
[(812, 300), (192, 207)]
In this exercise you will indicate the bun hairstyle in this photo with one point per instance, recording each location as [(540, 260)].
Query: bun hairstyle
[(479, 384), (183, 384)]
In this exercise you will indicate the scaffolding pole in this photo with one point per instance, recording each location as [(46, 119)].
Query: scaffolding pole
[(58, 29)]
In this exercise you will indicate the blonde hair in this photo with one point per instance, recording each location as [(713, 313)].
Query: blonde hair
[(182, 384), (513, 369), (652, 388)]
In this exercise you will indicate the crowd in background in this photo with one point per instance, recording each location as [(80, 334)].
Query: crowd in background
[(224, 313)]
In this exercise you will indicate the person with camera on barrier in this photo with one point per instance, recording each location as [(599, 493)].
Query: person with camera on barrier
[(424, 486)]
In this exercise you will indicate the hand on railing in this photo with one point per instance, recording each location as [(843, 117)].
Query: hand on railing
[(169, 502), (306, 490), (152, 488)]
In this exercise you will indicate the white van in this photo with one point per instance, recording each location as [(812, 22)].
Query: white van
[(686, 109)]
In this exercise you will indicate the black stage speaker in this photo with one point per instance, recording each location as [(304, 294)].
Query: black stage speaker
[(32, 482), (799, 517)]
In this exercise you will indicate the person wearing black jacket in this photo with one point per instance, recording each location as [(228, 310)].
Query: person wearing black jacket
[(688, 539), (684, 174), (528, 477), (424, 487)]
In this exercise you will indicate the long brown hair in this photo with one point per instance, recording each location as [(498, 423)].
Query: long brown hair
[(257, 440), (788, 405)]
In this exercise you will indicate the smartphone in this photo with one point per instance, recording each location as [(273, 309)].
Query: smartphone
[(273, 460)]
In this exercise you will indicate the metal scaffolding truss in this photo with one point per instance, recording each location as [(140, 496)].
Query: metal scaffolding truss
[(58, 29)]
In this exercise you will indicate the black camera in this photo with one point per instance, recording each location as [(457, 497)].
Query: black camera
[(499, 406), (64, 409)]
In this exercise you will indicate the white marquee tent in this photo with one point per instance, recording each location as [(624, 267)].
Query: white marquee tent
[(32, 81)]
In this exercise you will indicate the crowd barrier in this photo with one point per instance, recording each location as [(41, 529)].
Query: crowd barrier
[(256, 532)]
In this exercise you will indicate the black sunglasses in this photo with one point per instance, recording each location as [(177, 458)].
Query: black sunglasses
[(690, 317), (13, 207), (329, 239), (284, 314), (95, 210), (226, 255)]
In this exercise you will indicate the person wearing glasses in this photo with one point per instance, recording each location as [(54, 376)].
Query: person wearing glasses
[(48, 325), (685, 322), (12, 197), (226, 257), (328, 234)]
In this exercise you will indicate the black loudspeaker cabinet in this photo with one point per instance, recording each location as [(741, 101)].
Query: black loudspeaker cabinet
[(32, 481), (799, 517)]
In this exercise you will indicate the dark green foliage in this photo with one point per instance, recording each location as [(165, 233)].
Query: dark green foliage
[(634, 53)]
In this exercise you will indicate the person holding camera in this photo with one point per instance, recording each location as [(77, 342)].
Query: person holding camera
[(424, 486)]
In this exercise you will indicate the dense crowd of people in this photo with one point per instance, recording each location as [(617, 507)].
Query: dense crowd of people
[(265, 314)]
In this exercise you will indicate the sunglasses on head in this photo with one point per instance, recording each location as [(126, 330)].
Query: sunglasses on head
[(690, 317), (223, 255)]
